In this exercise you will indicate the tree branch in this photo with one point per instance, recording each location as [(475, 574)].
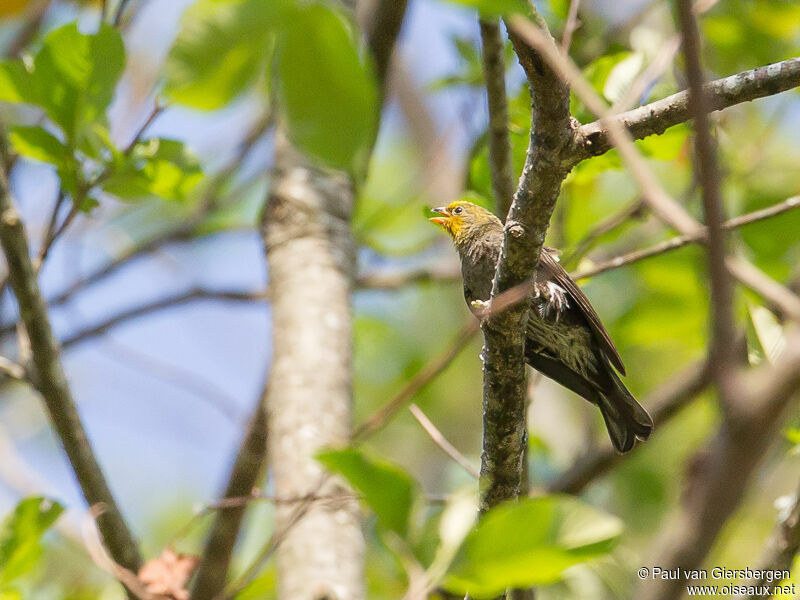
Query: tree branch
[(441, 441), (660, 202), (721, 349), (428, 373), (680, 241), (504, 389), (382, 29), (500, 157), (50, 380), (593, 139), (212, 571), (311, 256), (146, 308)]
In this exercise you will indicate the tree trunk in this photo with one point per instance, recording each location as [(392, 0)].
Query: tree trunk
[(311, 257)]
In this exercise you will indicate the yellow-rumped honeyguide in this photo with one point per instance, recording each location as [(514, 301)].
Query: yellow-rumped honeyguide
[(565, 339)]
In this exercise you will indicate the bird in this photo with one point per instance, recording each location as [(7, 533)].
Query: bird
[(565, 339)]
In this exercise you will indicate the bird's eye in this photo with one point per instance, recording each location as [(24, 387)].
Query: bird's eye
[(458, 210)]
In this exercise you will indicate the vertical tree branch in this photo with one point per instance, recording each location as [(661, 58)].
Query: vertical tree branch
[(382, 28), (311, 258), (500, 156), (50, 379), (504, 389), (723, 328), (212, 572)]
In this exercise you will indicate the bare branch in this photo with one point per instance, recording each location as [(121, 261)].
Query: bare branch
[(652, 191), (500, 157), (625, 215), (683, 240), (11, 369), (147, 308), (778, 296), (382, 27), (213, 569), (310, 252), (51, 381), (594, 139), (399, 280), (120, 12), (504, 389), (723, 326), (441, 441), (29, 29), (571, 25)]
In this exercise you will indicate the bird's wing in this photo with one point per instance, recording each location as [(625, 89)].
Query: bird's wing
[(550, 269)]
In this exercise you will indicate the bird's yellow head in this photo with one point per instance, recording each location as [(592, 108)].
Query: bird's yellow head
[(463, 219)]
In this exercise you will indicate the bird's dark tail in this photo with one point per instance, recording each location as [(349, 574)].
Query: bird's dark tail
[(626, 419)]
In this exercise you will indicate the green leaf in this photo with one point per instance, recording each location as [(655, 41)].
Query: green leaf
[(75, 76), (530, 542), (20, 534), (39, 144), (16, 84), (388, 490), (328, 94), (159, 168), (221, 48), (496, 7)]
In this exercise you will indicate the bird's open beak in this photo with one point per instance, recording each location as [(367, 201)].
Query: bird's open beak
[(440, 220)]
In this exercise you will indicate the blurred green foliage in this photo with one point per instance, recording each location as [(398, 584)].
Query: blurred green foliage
[(325, 89)]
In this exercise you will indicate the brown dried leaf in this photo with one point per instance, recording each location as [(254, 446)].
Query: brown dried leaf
[(167, 575)]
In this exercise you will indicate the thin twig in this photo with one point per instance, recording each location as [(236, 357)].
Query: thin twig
[(441, 441), (722, 470), (500, 156), (780, 297), (721, 347), (119, 12), (213, 569), (683, 240), (171, 301), (94, 546), (570, 26), (422, 379), (621, 217), (29, 29)]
